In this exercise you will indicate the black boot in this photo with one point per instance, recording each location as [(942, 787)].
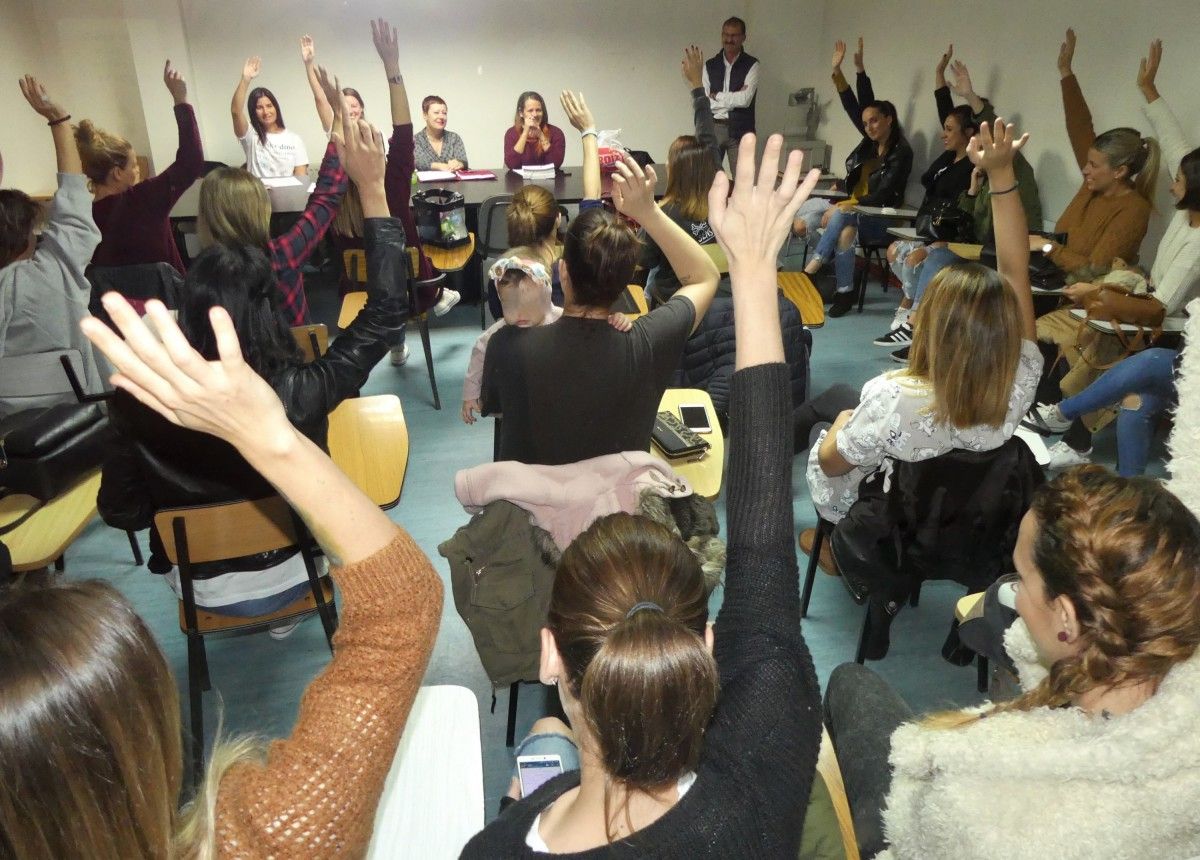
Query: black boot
[(842, 303)]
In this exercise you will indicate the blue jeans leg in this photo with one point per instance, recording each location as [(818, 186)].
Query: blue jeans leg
[(938, 259), (827, 246)]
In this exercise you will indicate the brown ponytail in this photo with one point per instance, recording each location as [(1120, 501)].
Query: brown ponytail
[(100, 152), (645, 681), (531, 216), (600, 253)]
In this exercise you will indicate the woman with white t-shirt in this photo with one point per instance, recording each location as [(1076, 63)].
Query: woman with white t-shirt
[(271, 150)]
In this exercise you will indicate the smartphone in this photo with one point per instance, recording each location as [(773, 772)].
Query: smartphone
[(534, 770), (695, 418)]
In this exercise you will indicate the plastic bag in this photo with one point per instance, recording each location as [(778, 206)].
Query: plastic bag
[(610, 149)]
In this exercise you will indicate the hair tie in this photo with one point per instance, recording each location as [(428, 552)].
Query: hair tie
[(638, 607)]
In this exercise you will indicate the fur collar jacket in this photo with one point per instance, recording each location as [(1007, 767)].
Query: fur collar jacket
[(1052, 782)]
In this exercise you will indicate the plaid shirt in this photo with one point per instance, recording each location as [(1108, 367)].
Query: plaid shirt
[(289, 251)]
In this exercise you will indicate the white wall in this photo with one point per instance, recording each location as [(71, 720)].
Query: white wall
[(1011, 49)]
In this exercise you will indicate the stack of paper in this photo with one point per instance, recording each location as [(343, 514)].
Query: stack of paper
[(281, 181), (536, 171), (435, 175)]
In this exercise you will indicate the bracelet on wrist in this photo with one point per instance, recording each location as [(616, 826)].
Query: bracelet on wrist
[(396, 78), (588, 131), (1015, 186), (58, 121)]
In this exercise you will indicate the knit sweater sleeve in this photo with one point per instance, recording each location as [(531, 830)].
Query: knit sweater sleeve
[(316, 793), (1122, 237), (1079, 119)]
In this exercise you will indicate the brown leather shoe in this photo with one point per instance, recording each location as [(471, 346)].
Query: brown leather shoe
[(808, 537)]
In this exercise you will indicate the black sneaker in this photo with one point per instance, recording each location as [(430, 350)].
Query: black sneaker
[(842, 303), (901, 335), (900, 356)]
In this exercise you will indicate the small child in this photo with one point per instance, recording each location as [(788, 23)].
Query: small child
[(522, 282)]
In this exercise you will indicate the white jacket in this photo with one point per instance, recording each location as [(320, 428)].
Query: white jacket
[(1052, 782)]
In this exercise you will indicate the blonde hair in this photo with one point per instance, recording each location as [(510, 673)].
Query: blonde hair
[(100, 152), (1125, 147), (349, 219), (531, 216), (966, 345), (234, 208), (196, 834), (1126, 552)]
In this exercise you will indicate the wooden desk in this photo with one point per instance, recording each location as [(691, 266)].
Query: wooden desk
[(368, 440), (966, 250), (450, 259), (45, 536), (566, 186), (829, 193), (705, 474), (969, 607), (1170, 324)]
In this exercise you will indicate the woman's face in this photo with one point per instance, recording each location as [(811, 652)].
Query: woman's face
[(952, 135), (266, 113), (355, 108), (121, 178), (531, 112), (435, 117), (1179, 185), (1098, 174), (878, 125), (1045, 618)]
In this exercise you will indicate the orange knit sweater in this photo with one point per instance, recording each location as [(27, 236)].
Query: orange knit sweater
[(1098, 228), (316, 794)]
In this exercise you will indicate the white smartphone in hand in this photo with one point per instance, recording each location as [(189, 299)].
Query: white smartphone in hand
[(534, 770), (695, 417)]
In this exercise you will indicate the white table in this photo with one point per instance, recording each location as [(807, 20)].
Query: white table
[(903, 213), (1036, 444), (1170, 324), (908, 234), (432, 801), (829, 193)]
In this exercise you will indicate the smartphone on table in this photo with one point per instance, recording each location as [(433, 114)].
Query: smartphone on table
[(534, 770), (695, 417)]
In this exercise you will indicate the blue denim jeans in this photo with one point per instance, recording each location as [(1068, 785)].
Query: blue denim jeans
[(264, 605), (869, 230), (938, 259), (1150, 374)]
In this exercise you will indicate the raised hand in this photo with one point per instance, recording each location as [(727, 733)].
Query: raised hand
[(1148, 71), (839, 54), (1066, 54), (962, 86), (308, 50), (994, 148), (858, 56), (633, 189), (35, 93), (329, 87), (752, 224), (976, 181), (692, 67), (387, 45), (939, 74), (251, 68), (360, 149), (176, 85), (576, 110)]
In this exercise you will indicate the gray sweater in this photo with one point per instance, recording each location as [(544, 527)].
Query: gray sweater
[(43, 298)]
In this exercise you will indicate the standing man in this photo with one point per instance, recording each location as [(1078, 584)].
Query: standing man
[(731, 81)]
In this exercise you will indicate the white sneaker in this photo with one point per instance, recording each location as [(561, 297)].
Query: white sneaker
[(901, 335), (400, 356), (1045, 418), (1063, 456), (448, 300), (283, 631)]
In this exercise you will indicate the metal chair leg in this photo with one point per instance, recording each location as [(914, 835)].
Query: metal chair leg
[(811, 574), (197, 677), (135, 547), (423, 324), (981, 673), (514, 690), (862, 636)]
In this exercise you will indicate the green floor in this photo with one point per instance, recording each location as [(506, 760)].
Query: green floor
[(258, 681)]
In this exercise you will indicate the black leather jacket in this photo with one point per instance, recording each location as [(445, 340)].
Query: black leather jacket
[(886, 183), (155, 464)]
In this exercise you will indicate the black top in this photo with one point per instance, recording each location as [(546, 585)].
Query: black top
[(578, 388), (888, 178), (760, 750), (946, 178)]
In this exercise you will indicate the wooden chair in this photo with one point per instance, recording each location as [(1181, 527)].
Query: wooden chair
[(798, 289), (831, 772), (638, 295), (41, 539), (966, 609), (209, 533), (704, 474), (368, 440), (313, 340)]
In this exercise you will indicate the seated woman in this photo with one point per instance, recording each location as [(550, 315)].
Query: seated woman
[(974, 367), (691, 166), (347, 231), (43, 291), (734, 727), (876, 174), (1174, 278), (157, 465), (93, 677), (1106, 652), (532, 139), (134, 214), (271, 150), (435, 146), (578, 388)]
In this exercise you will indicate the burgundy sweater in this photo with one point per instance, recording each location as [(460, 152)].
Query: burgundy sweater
[(134, 225), (554, 155)]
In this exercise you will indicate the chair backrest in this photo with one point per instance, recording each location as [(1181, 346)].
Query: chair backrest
[(229, 530), (354, 261), (352, 305), (138, 283), (312, 339), (368, 439), (638, 295), (37, 379), (493, 225)]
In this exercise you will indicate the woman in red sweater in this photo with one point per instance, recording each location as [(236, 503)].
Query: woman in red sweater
[(532, 139), (133, 215)]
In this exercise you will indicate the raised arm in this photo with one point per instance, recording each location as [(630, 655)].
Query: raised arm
[(992, 150), (633, 194), (862, 81), (1080, 129), (965, 90), (308, 53), (237, 107), (189, 157), (387, 45), (581, 119), (1166, 125), (65, 152), (849, 102), (692, 69)]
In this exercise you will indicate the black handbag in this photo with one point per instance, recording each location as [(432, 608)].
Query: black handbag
[(674, 439), (45, 451), (942, 221)]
